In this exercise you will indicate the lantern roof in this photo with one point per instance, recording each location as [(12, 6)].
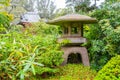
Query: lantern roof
[(72, 18)]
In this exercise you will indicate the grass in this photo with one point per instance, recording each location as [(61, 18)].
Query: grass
[(73, 72)]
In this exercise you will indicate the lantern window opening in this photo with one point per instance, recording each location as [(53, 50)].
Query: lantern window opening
[(74, 30), (65, 30)]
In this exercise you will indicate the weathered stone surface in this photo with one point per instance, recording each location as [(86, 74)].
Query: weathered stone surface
[(81, 50), (72, 18), (73, 39)]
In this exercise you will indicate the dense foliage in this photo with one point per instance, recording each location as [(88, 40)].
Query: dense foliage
[(4, 3), (27, 52), (5, 18), (73, 72), (78, 5), (105, 36), (111, 71), (4, 21)]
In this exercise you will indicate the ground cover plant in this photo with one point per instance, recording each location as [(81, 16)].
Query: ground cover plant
[(73, 72)]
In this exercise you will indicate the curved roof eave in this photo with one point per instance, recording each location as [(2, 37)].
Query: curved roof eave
[(72, 18)]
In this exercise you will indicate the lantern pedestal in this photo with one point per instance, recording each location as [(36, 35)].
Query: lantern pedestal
[(81, 50)]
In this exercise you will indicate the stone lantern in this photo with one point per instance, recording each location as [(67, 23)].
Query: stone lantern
[(72, 29)]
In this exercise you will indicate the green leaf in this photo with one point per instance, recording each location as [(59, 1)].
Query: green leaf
[(33, 69)]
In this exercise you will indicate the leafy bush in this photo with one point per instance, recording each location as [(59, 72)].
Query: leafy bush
[(24, 54), (4, 23), (5, 18), (104, 37), (111, 71), (73, 72), (42, 28)]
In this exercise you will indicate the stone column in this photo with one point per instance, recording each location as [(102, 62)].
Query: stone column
[(69, 30)]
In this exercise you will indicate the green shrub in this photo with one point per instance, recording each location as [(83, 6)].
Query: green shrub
[(73, 72), (42, 28), (4, 23), (111, 71), (104, 37), (24, 54)]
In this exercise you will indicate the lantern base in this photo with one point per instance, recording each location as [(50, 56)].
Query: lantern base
[(81, 50)]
